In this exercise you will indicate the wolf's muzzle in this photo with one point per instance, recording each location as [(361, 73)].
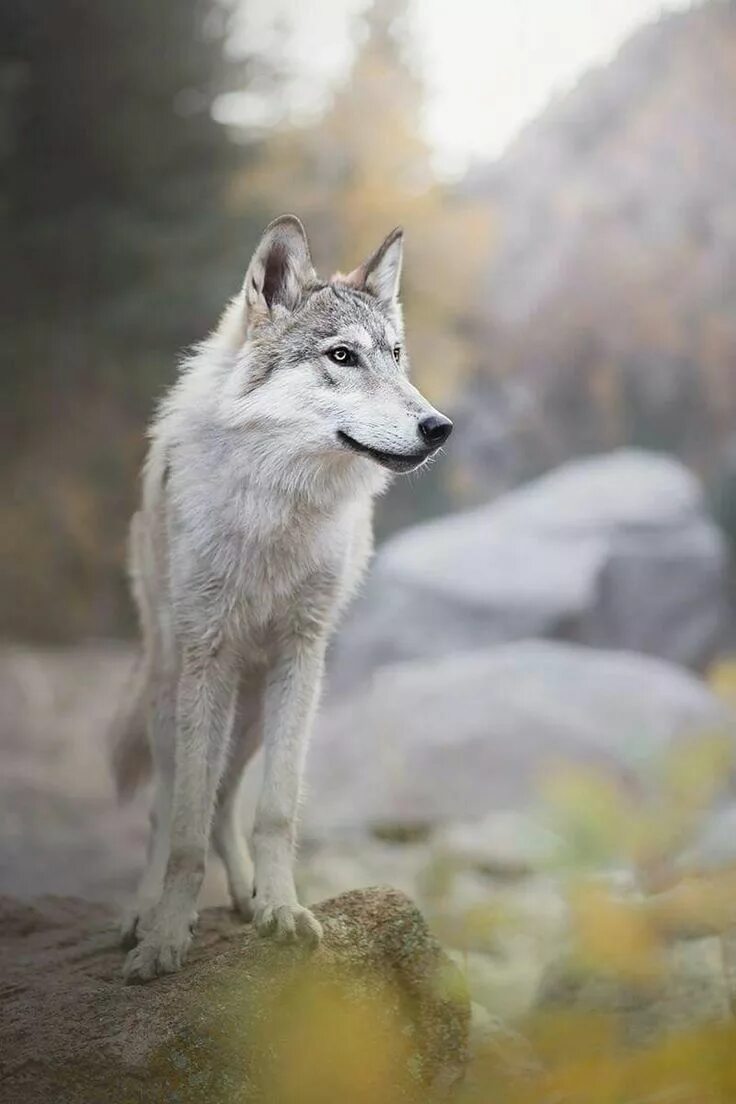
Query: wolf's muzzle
[(394, 461)]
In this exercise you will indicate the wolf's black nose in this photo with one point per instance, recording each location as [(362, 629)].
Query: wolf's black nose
[(435, 430)]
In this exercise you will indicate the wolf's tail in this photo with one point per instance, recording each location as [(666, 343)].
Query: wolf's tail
[(131, 752)]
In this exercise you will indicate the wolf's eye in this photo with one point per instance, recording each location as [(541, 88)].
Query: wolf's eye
[(341, 355), (397, 353)]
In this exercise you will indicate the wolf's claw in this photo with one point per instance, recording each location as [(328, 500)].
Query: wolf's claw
[(288, 924)]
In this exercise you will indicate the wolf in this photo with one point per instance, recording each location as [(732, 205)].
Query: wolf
[(254, 529)]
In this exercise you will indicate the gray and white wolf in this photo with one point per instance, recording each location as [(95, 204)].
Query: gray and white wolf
[(255, 527)]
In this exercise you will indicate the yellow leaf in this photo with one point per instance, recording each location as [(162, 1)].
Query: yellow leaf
[(614, 936)]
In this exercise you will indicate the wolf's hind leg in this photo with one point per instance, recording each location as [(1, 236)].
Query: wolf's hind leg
[(228, 835), (230, 844), (205, 702), (162, 728)]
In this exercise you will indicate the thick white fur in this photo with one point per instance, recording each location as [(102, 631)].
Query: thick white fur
[(254, 529)]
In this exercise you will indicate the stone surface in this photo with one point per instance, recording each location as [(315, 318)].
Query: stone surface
[(509, 842), (482, 732), (614, 551), (61, 829), (377, 1012)]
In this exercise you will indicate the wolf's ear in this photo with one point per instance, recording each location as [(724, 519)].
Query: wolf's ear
[(280, 269), (380, 275)]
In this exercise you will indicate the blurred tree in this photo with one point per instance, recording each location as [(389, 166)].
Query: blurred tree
[(353, 175), (110, 216), (363, 168)]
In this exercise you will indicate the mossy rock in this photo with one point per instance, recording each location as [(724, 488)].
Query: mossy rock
[(376, 1015)]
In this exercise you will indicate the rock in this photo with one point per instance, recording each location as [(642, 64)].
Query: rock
[(506, 987), (511, 927), (714, 846), (338, 864), (377, 1012), (691, 989), (503, 1065), (614, 551), (508, 842), (458, 738), (61, 829)]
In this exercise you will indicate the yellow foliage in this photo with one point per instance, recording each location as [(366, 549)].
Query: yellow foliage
[(614, 936), (475, 927), (697, 905), (694, 771), (586, 1062), (642, 820), (722, 679), (335, 1052), (594, 815)]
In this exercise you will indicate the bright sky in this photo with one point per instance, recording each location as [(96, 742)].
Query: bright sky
[(489, 66)]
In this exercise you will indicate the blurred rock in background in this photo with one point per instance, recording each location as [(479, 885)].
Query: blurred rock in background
[(456, 738), (61, 830), (615, 551)]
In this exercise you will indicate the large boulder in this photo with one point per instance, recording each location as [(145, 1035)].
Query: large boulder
[(61, 828), (376, 1013), (455, 739), (613, 551)]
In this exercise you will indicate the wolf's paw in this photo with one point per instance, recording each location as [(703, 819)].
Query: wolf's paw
[(160, 950), (131, 923), (244, 906), (288, 924), (156, 954)]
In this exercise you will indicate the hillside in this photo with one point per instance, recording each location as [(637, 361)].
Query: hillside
[(608, 305)]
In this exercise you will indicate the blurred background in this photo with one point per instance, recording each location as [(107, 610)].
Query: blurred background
[(555, 596), (565, 176)]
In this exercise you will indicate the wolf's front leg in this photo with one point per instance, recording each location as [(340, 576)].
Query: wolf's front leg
[(291, 695), (205, 702)]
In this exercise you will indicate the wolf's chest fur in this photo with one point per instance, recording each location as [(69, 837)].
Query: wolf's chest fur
[(252, 565)]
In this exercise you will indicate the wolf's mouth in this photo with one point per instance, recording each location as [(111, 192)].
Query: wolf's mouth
[(395, 461)]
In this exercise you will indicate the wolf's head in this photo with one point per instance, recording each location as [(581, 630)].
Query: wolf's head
[(322, 366)]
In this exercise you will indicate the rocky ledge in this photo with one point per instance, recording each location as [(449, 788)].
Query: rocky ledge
[(377, 1012)]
